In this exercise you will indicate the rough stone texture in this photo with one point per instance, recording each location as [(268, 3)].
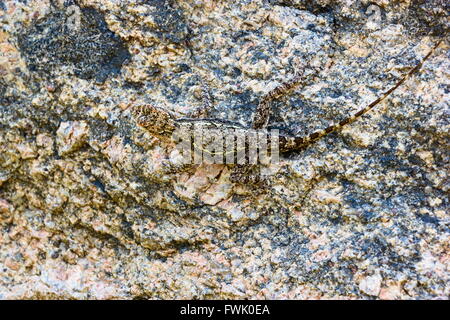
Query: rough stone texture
[(92, 207)]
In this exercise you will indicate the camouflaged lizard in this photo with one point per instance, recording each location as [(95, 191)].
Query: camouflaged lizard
[(162, 124)]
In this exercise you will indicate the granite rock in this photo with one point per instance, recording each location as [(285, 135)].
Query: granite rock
[(94, 207)]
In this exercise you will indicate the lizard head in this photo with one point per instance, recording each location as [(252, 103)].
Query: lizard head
[(155, 120)]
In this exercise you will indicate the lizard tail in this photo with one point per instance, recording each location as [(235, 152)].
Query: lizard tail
[(301, 142)]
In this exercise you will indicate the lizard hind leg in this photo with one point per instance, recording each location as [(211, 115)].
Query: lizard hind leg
[(263, 110), (247, 174)]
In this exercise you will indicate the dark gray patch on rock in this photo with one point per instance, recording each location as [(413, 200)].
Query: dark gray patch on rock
[(423, 17), (430, 16), (91, 51), (2, 91), (170, 22)]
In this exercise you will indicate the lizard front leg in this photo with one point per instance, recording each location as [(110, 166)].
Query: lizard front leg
[(205, 109)]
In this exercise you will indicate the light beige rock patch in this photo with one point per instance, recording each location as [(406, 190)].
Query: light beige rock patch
[(71, 135)]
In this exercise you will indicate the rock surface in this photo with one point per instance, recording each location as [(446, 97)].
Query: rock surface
[(93, 207)]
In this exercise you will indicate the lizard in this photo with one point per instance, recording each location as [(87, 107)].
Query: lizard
[(166, 126)]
